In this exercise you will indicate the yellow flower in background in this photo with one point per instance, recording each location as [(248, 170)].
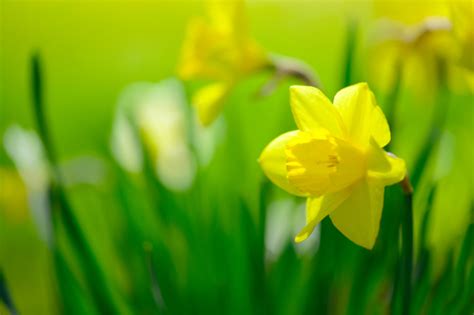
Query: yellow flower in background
[(219, 49), (462, 15), (13, 196), (410, 12), (426, 39), (413, 38), (336, 160)]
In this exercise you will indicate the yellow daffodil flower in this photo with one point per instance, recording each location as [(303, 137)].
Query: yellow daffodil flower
[(218, 49), (336, 160), (414, 48), (462, 15), (426, 40)]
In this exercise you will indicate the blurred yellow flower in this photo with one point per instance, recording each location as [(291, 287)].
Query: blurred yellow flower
[(220, 49), (336, 160), (462, 14), (427, 40), (416, 52), (13, 196)]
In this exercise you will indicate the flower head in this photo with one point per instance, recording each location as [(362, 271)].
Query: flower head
[(425, 39), (336, 160), (219, 49), (463, 28), (155, 114)]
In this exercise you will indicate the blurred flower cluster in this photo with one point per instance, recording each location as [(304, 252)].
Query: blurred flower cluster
[(425, 43)]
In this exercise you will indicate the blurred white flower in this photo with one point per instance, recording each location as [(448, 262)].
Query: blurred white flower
[(284, 219), (158, 113), (124, 145), (26, 151)]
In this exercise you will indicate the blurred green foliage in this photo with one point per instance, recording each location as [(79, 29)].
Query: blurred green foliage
[(202, 251)]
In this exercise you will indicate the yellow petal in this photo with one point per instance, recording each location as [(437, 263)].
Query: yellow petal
[(227, 16), (194, 51), (379, 128), (220, 47), (317, 208), (384, 168), (312, 110), (273, 162), (361, 115), (358, 217), (209, 101), (410, 12), (321, 164), (207, 53)]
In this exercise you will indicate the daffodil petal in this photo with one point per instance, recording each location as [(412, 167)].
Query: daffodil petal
[(191, 63), (358, 217), (273, 162), (317, 208), (209, 101), (384, 168), (227, 16), (379, 128), (208, 53), (313, 110), (361, 115)]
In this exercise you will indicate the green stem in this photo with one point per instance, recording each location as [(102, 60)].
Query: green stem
[(286, 67), (392, 98), (407, 248), (5, 295), (95, 277), (439, 121), (264, 200), (154, 286), (349, 57)]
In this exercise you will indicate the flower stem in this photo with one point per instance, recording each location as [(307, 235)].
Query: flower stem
[(95, 277), (406, 266), (349, 56), (439, 121), (286, 67), (392, 98), (5, 296)]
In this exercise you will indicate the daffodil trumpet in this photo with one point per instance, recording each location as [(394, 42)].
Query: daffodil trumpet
[(336, 160)]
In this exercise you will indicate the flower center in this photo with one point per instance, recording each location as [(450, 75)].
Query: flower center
[(320, 165)]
